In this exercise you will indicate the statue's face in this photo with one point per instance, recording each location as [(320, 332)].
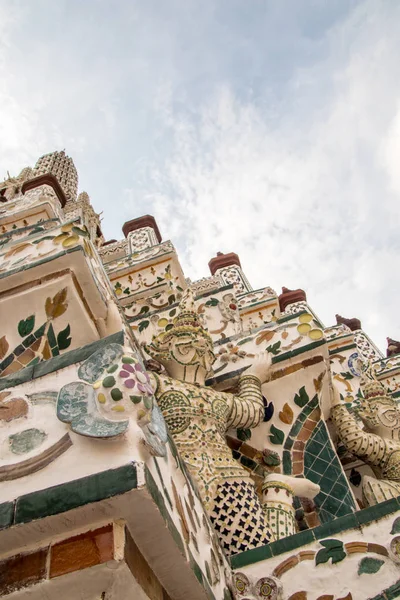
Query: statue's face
[(192, 349), (382, 419)]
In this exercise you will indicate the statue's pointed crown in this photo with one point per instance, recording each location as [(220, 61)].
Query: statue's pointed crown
[(374, 392), (186, 322), (187, 314)]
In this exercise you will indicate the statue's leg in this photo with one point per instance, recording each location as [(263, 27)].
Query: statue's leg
[(238, 517), (278, 508), (278, 493)]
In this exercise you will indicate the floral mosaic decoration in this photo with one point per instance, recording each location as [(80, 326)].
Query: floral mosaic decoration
[(23, 252), (140, 282), (37, 344), (113, 388)]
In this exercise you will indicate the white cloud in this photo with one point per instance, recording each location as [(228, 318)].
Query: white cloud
[(310, 200), (273, 132)]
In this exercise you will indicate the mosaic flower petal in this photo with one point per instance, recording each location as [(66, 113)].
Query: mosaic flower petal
[(109, 381), (116, 394)]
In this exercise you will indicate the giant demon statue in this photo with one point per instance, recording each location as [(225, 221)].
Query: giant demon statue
[(198, 418), (378, 444)]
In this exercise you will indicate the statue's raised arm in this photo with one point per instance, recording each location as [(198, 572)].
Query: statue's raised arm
[(377, 444), (247, 407)]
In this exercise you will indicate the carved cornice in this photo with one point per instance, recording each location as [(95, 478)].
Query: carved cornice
[(223, 260), (46, 179), (144, 221)]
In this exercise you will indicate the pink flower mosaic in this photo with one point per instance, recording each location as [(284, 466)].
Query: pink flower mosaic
[(135, 378)]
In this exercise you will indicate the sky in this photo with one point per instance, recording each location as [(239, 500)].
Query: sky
[(270, 128)]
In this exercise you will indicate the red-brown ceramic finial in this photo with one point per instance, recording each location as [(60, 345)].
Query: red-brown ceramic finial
[(352, 324), (289, 296), (46, 179), (145, 221), (393, 347), (223, 260)]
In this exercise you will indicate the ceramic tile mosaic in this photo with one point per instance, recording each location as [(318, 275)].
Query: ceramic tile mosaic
[(322, 465)]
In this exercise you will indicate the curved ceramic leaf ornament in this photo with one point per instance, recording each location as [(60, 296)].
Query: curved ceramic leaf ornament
[(115, 389), (76, 405), (92, 369)]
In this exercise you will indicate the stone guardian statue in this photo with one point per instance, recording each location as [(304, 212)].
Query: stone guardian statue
[(198, 418), (378, 443)]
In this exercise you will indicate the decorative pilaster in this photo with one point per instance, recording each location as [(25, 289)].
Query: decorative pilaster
[(291, 297), (228, 267), (142, 233), (353, 324)]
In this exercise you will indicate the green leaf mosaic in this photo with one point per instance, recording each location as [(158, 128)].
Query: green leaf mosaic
[(26, 440), (276, 435), (395, 526), (369, 565), (332, 549), (322, 466), (301, 398), (25, 327), (63, 339)]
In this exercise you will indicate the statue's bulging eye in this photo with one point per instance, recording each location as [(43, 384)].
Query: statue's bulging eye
[(390, 418), (184, 348)]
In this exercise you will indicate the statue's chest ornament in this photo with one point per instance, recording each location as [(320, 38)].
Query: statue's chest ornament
[(182, 408)]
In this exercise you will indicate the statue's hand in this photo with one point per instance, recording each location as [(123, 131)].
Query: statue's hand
[(301, 486), (260, 367)]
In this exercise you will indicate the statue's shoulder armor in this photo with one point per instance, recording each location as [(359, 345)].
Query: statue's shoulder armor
[(161, 383)]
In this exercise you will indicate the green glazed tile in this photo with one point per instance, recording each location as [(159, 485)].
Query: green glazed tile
[(342, 349), (159, 500), (39, 332), (369, 565), (6, 514), (195, 568), (248, 462), (308, 347), (336, 526), (291, 542), (17, 378), (372, 513), (287, 462), (28, 341), (250, 556), (296, 428), (51, 337), (155, 493), (67, 496), (393, 591)]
